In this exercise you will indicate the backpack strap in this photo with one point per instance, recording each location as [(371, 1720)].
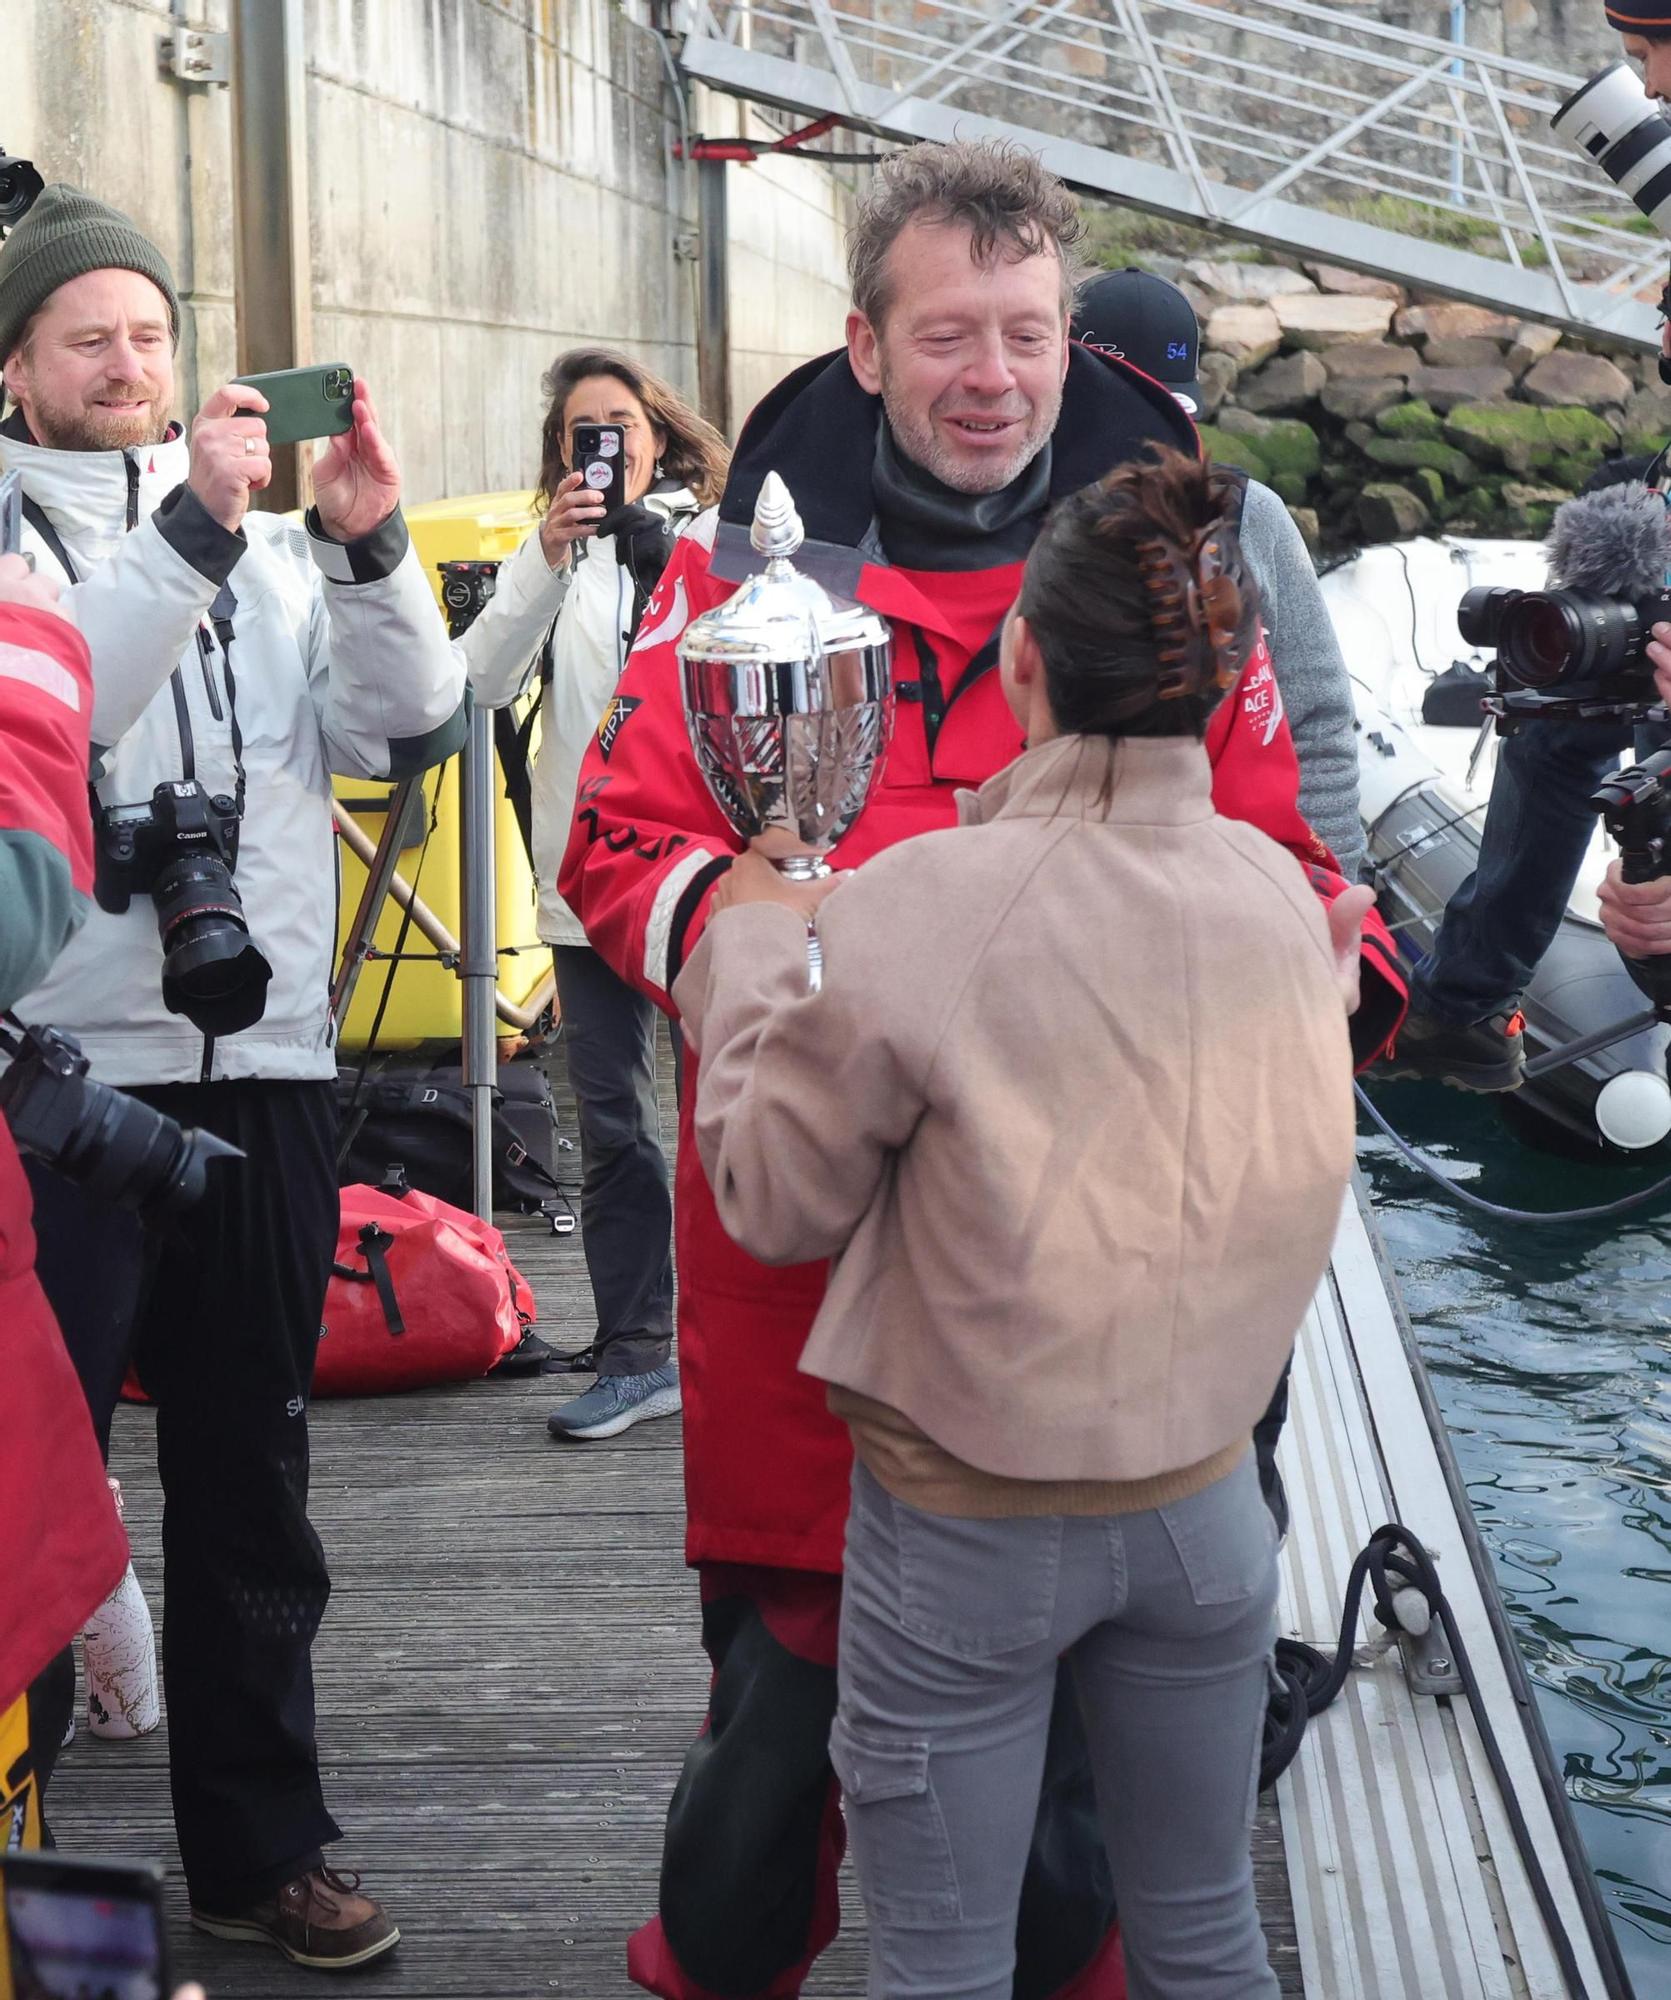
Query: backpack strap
[(1238, 482)]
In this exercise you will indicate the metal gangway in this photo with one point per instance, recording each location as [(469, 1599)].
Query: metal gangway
[(1312, 130)]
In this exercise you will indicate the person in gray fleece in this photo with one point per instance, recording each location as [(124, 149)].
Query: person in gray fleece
[(1150, 324)]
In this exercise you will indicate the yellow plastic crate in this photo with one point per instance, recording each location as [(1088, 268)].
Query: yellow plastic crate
[(425, 999)]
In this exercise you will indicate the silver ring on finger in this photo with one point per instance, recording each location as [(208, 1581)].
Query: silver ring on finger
[(251, 446)]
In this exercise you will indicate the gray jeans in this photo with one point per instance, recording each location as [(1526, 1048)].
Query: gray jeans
[(626, 1211), (950, 1635)]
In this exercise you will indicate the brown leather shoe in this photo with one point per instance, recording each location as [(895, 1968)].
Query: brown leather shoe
[(320, 1920)]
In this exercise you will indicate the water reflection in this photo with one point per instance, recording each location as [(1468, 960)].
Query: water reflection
[(1550, 1352)]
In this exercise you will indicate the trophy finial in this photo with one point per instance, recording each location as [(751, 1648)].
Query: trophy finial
[(777, 530)]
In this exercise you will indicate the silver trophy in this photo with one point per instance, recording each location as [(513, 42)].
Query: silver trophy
[(789, 701)]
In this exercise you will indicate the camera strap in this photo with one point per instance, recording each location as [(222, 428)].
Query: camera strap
[(220, 616), (35, 515)]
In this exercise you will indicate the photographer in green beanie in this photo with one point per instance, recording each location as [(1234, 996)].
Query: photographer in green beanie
[(237, 662)]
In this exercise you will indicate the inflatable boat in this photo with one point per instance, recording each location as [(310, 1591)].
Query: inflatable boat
[(1423, 789)]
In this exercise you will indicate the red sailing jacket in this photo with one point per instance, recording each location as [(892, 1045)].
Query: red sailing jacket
[(766, 1466), (62, 1549)]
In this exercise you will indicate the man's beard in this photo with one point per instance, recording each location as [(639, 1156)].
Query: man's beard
[(922, 444), (86, 427)]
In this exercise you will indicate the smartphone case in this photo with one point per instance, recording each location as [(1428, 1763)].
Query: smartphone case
[(610, 474), (306, 402)]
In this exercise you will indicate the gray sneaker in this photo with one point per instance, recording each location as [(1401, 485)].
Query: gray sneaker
[(614, 1403)]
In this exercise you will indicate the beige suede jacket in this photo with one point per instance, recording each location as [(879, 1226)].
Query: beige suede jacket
[(1072, 1114)]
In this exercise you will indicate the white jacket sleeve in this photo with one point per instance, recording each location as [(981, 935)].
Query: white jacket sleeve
[(387, 683), (500, 647)]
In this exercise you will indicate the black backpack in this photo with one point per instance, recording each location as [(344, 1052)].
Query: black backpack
[(419, 1121)]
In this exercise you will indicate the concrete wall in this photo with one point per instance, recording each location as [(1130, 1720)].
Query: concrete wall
[(490, 181)]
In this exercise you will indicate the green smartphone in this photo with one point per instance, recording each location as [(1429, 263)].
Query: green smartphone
[(306, 402)]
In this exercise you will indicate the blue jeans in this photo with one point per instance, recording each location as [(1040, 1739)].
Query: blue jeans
[(1537, 829), (951, 1631)]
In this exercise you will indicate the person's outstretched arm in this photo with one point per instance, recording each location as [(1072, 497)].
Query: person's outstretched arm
[(1311, 675)]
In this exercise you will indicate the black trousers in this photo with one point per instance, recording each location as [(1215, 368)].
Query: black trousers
[(221, 1313), (626, 1209)]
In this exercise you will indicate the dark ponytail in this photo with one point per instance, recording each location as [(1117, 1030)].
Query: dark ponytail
[(1139, 600)]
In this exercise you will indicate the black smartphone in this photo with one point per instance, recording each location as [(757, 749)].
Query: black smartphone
[(82, 1925), (600, 457)]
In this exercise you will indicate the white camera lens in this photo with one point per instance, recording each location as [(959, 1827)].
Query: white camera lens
[(1615, 121)]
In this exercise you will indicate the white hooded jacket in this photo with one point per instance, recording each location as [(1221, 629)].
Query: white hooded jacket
[(592, 600), (339, 663)]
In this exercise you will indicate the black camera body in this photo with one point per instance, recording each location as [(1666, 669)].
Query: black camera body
[(135, 844), (1566, 653), (465, 590), (181, 850), (115, 1146)]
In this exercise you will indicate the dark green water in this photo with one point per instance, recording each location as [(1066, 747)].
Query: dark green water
[(1549, 1347)]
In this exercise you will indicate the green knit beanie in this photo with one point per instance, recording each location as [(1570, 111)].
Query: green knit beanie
[(65, 235)]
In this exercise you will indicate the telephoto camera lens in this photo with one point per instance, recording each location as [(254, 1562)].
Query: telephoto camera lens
[(1550, 636), (115, 1147), (212, 972), (1615, 121)]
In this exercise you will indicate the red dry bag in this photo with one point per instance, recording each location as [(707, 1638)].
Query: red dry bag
[(420, 1293)]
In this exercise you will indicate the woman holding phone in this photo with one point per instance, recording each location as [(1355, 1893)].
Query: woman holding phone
[(1072, 1115), (592, 568)]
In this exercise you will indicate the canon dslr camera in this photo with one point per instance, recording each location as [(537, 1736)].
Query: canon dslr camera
[(180, 850)]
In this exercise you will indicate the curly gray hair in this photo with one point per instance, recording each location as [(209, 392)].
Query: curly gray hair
[(1010, 202)]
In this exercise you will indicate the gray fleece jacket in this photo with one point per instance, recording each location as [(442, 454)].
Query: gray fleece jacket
[(1310, 674)]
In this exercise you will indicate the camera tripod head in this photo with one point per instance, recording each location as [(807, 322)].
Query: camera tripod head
[(20, 182)]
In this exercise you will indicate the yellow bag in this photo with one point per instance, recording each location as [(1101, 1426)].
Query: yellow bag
[(20, 1795)]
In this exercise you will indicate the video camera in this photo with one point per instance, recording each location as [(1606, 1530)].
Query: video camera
[(1578, 651), (1571, 647)]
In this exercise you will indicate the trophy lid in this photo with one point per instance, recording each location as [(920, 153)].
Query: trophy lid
[(781, 616)]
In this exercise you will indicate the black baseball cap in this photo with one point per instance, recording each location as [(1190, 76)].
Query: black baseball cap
[(1146, 321)]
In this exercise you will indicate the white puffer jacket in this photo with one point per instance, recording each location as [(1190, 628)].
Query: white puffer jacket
[(340, 663), (592, 601)]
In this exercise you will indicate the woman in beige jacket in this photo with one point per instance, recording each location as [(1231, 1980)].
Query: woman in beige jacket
[(1072, 1116)]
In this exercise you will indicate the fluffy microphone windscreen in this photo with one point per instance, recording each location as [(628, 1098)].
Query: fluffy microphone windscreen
[(1616, 542)]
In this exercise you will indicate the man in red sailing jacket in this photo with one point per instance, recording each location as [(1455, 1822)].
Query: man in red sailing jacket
[(922, 460), (62, 1550)]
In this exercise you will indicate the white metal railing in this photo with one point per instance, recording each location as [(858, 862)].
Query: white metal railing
[(1304, 126)]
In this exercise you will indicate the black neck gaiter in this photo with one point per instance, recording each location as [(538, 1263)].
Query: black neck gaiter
[(925, 524)]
